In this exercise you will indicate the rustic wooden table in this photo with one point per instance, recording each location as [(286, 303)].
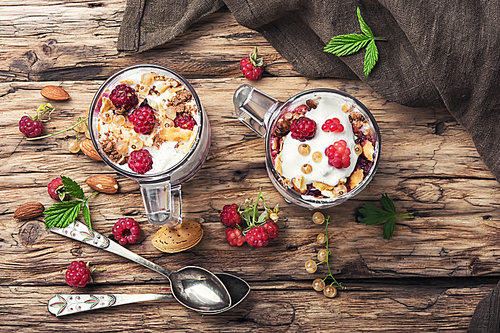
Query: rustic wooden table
[(429, 277)]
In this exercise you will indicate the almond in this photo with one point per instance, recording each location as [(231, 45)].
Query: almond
[(88, 149), (55, 93), (29, 210), (103, 183)]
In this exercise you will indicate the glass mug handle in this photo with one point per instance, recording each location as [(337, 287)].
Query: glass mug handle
[(253, 108), (162, 202)]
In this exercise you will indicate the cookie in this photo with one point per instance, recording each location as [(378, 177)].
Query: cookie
[(178, 239)]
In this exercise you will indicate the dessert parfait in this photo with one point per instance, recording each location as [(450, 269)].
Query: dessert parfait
[(147, 122), (322, 146)]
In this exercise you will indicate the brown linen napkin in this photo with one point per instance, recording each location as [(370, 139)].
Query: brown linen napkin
[(486, 318), (438, 53)]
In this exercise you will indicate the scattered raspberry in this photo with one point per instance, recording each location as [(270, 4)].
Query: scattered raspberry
[(338, 155), (78, 274), (30, 127), (140, 161), (56, 189), (126, 231), (230, 215), (257, 237), (234, 237), (184, 122), (303, 129), (272, 230), (252, 67), (301, 109), (333, 125), (143, 120), (124, 96)]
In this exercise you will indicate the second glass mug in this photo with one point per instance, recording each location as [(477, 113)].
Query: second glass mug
[(161, 191), (260, 112)]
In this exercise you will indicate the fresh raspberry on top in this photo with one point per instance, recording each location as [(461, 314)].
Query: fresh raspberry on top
[(143, 120), (56, 189), (126, 231), (78, 274), (124, 96), (338, 155), (140, 161), (257, 237), (303, 129), (230, 216), (184, 121), (234, 237), (333, 125), (272, 229), (30, 127), (251, 67)]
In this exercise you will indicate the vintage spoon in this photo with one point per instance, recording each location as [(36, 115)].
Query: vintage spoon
[(194, 287), (65, 304)]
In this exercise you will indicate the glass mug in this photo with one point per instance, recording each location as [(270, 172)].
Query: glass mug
[(261, 113), (161, 190)]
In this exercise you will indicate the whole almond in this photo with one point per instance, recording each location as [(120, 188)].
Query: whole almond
[(88, 149), (29, 210), (103, 183), (55, 93)]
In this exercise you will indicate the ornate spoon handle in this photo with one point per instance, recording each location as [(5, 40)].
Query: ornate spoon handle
[(64, 304), (81, 232)]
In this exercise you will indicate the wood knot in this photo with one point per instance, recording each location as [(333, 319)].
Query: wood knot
[(31, 232)]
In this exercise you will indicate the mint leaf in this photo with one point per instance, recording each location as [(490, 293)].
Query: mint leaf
[(86, 214), (62, 214), (72, 188), (344, 45)]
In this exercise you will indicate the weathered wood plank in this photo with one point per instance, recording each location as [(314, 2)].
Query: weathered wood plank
[(367, 307), (77, 41)]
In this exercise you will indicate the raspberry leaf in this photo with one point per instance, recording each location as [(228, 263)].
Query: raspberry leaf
[(72, 188), (363, 26), (388, 203), (86, 213), (61, 214)]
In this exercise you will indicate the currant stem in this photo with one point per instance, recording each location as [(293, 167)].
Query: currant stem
[(406, 215), (328, 251), (56, 133)]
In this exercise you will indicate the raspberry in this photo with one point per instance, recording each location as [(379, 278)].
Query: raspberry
[(30, 127), (143, 120), (56, 189), (257, 237), (230, 216), (140, 161), (78, 274), (124, 96), (234, 237), (333, 125), (184, 122), (338, 155), (251, 67), (303, 129), (301, 109), (272, 229), (126, 231)]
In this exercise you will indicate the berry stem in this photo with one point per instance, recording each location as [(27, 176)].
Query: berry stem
[(93, 194), (328, 251), (46, 108), (56, 133)]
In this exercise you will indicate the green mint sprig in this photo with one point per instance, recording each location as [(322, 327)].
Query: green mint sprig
[(344, 45), (375, 215), (61, 214)]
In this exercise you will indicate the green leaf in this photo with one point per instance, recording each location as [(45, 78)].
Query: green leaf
[(62, 214), (73, 188), (86, 214), (371, 57), (346, 44), (373, 214), (364, 27), (389, 227), (388, 203), (262, 217)]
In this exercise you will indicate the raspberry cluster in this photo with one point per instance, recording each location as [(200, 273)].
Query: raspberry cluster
[(251, 66), (124, 96), (303, 129), (30, 127), (126, 231), (333, 125), (338, 155), (184, 121), (140, 161), (249, 226), (143, 120)]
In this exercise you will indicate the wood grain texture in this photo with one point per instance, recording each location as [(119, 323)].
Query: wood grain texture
[(429, 277)]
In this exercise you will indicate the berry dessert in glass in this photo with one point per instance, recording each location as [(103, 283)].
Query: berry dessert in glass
[(148, 124), (322, 145)]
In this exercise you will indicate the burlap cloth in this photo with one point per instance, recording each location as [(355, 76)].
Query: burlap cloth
[(438, 53)]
